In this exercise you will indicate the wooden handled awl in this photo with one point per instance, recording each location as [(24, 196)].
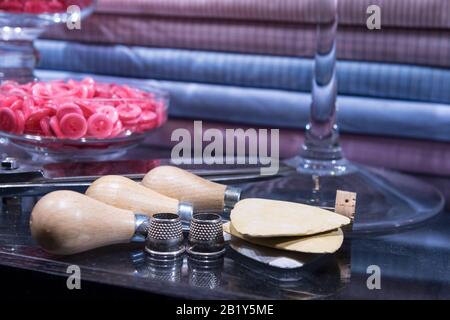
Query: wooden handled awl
[(210, 196), (126, 194), (185, 186), (67, 222)]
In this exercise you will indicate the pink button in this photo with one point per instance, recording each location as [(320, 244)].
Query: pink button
[(54, 125), (45, 126), (67, 108), (117, 129), (20, 122), (128, 111), (110, 112), (32, 123), (73, 125), (100, 126), (100, 110), (8, 122)]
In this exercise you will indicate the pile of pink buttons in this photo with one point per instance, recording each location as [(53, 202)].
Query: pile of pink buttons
[(78, 109), (40, 6)]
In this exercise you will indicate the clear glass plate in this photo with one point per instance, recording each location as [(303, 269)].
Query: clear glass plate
[(386, 201)]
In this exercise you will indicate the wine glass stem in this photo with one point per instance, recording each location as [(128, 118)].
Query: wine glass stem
[(321, 137)]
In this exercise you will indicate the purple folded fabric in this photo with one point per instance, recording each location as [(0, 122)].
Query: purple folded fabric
[(415, 156), (423, 47), (398, 13), (189, 33), (418, 156), (259, 10)]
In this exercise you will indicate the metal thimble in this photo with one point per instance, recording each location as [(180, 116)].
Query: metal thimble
[(206, 236), (165, 236)]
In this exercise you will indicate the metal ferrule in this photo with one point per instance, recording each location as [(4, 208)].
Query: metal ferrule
[(231, 197), (141, 223), (185, 211)]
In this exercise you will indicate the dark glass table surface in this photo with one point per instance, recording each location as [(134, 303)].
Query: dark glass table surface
[(414, 264)]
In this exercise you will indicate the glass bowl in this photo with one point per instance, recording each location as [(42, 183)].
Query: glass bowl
[(22, 21), (51, 148), (37, 13)]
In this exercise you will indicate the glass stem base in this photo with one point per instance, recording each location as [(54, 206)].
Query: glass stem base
[(321, 157), (18, 54)]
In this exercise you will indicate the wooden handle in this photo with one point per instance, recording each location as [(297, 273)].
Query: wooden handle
[(126, 194), (185, 186), (66, 222)]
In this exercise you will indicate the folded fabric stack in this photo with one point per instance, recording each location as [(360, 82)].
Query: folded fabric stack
[(413, 31), (357, 78), (250, 62)]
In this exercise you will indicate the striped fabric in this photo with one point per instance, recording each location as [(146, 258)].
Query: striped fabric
[(277, 108), (274, 72), (418, 156), (423, 47), (284, 109), (395, 13)]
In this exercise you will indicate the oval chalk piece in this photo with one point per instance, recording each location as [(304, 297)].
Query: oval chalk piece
[(328, 242), (272, 218)]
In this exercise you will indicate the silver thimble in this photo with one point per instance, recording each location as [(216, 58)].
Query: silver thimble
[(206, 236), (165, 235)]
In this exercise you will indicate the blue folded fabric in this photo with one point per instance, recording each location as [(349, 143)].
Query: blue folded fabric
[(284, 109), (275, 72)]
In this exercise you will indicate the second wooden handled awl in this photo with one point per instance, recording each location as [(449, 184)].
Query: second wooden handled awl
[(126, 194), (67, 222), (210, 196), (183, 185)]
